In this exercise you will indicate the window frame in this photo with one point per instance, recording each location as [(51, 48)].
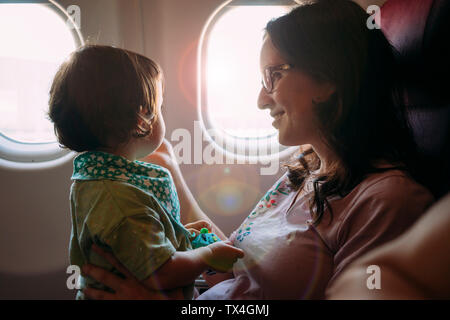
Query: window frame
[(23, 155), (252, 152)]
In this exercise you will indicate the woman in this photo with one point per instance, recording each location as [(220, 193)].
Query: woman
[(327, 81)]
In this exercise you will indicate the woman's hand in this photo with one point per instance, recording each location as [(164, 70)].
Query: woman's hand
[(124, 289)]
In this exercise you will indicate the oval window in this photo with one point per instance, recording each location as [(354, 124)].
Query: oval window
[(36, 38), (230, 80)]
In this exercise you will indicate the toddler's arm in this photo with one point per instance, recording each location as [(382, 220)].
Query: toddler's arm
[(185, 266)]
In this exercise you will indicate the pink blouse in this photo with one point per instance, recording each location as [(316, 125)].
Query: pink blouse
[(286, 257)]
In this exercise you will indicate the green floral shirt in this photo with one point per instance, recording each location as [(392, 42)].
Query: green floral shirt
[(151, 178), (129, 208)]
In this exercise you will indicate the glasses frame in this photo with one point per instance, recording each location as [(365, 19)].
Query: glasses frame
[(267, 80)]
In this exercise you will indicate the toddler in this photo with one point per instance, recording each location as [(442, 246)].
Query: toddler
[(106, 103)]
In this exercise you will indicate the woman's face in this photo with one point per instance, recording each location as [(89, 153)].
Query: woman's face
[(291, 101)]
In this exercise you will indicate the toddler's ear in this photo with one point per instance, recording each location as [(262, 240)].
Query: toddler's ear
[(144, 124)]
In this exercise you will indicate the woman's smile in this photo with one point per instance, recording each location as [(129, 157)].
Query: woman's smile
[(277, 118)]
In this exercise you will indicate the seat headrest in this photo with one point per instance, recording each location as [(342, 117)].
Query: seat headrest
[(419, 30)]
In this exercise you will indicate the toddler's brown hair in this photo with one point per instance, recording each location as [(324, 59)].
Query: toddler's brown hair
[(99, 96)]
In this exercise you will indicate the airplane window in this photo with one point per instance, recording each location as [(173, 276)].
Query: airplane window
[(231, 81), (36, 38)]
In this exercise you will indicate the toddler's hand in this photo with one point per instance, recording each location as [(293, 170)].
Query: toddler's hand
[(222, 255)]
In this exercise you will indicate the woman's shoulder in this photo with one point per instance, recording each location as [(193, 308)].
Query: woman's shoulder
[(379, 209), (390, 184), (393, 191)]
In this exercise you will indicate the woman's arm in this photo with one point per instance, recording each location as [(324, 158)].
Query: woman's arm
[(190, 210)]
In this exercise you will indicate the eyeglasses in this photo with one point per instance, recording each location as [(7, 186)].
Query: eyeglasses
[(267, 81)]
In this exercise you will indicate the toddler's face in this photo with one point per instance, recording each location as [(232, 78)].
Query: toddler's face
[(150, 143)]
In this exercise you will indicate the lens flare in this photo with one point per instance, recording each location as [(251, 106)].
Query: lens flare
[(229, 191), (186, 74)]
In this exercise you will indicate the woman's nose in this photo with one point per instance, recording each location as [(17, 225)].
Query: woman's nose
[(264, 99)]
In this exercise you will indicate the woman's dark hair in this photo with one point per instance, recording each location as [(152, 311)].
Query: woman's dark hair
[(362, 122), (98, 96)]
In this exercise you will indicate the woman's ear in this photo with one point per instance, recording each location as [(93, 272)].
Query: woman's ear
[(326, 90)]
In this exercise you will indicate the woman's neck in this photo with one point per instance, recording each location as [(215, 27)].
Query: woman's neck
[(326, 155)]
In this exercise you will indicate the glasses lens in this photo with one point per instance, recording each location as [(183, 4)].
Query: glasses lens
[(267, 80)]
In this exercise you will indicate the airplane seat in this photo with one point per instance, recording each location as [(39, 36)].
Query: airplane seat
[(419, 30)]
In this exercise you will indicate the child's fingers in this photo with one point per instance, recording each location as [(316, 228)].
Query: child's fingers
[(113, 261), (189, 225), (207, 225), (191, 230), (239, 252), (229, 242), (199, 225)]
